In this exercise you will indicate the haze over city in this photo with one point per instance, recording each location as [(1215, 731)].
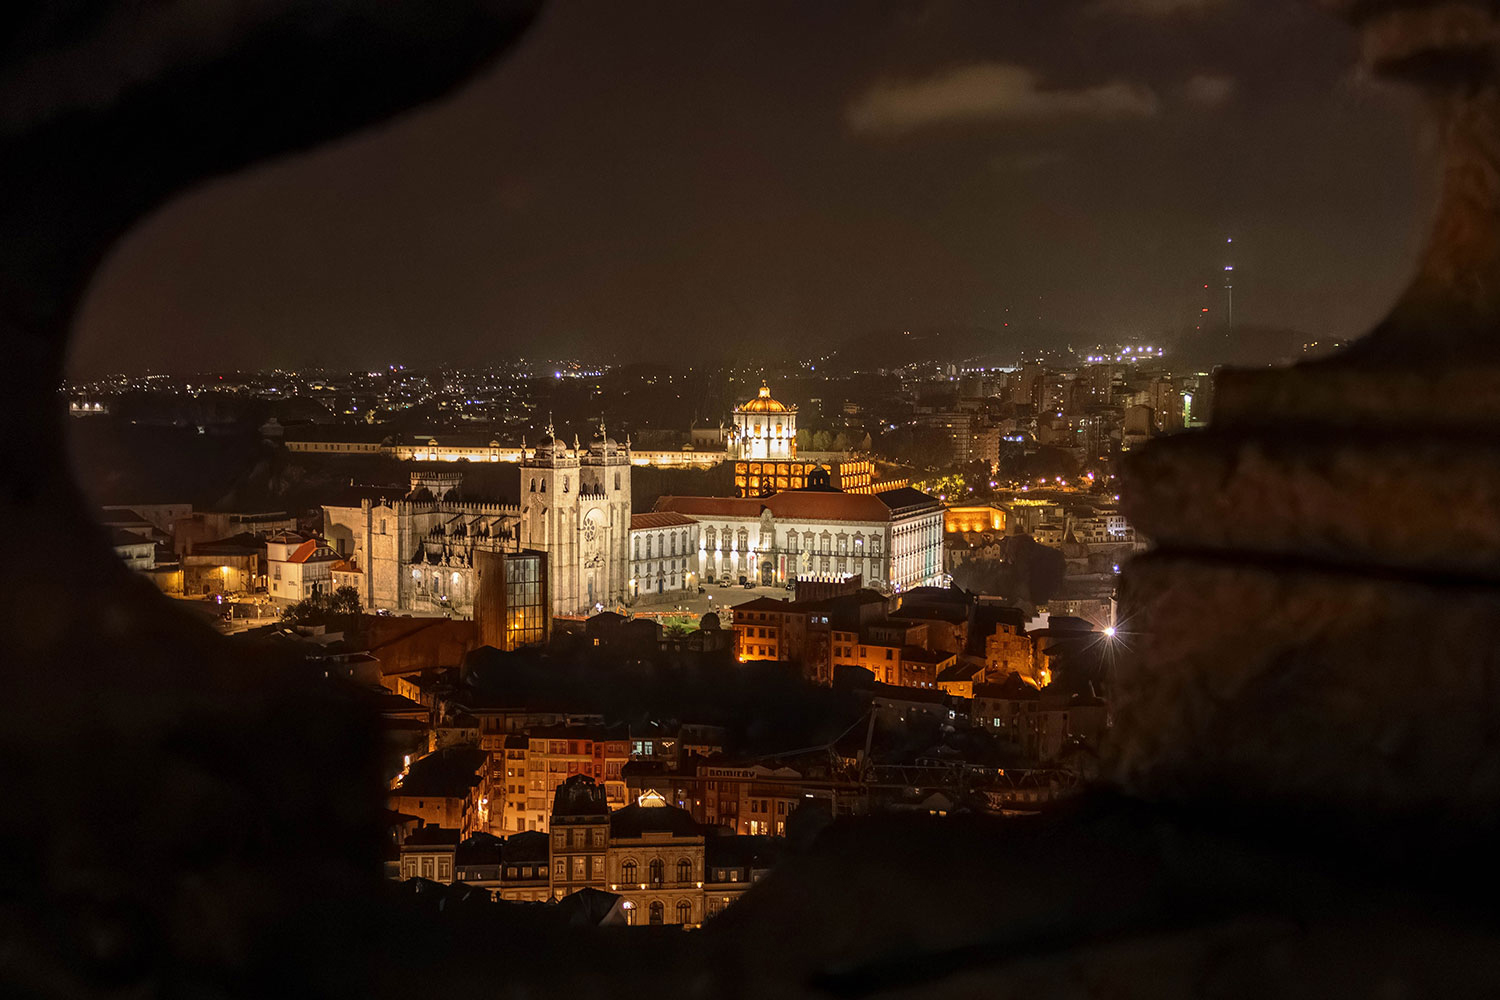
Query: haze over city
[(729, 179)]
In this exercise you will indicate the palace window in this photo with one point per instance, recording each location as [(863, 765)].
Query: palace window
[(658, 912), (684, 870), (657, 871), (629, 873), (684, 912)]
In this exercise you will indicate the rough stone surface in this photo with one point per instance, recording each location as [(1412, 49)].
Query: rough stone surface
[(1378, 499), (1351, 397), (1355, 691), (1315, 622), (172, 803)]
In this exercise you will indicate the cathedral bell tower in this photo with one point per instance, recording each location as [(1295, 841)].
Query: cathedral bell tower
[(604, 520), (550, 488)]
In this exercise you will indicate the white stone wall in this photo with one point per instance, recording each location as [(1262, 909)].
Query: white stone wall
[(664, 560), (731, 547)]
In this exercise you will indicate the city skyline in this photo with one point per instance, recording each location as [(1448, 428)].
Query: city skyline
[(1068, 169)]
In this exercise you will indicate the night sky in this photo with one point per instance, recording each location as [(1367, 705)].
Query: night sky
[(725, 180)]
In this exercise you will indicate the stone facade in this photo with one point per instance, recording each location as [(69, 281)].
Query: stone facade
[(575, 505), (655, 861), (892, 540), (417, 550), (663, 553)]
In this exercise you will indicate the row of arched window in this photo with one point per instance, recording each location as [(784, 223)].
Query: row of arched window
[(566, 484), (655, 871), (826, 542), (656, 913)]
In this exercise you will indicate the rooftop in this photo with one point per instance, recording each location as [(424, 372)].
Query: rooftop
[(119, 537), (659, 519), (431, 836), (638, 821), (906, 498), (893, 692), (580, 795), (449, 773), (1013, 688), (802, 505), (771, 604), (243, 544)]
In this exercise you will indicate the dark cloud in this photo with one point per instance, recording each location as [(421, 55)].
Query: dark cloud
[(1158, 8), (1209, 89), (1032, 159), (995, 91)]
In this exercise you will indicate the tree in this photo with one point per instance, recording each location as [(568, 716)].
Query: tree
[(340, 609), (920, 447)]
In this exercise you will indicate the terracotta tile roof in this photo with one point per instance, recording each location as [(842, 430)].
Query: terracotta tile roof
[(709, 506), (308, 551), (802, 505), (659, 519)]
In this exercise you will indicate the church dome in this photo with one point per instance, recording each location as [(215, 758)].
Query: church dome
[(551, 447), (763, 403), (602, 443)]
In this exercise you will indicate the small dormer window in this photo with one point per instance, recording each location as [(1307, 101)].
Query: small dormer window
[(565, 484), (533, 484)]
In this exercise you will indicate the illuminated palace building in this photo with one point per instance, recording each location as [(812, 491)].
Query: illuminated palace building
[(763, 446), (420, 549), (892, 539)]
